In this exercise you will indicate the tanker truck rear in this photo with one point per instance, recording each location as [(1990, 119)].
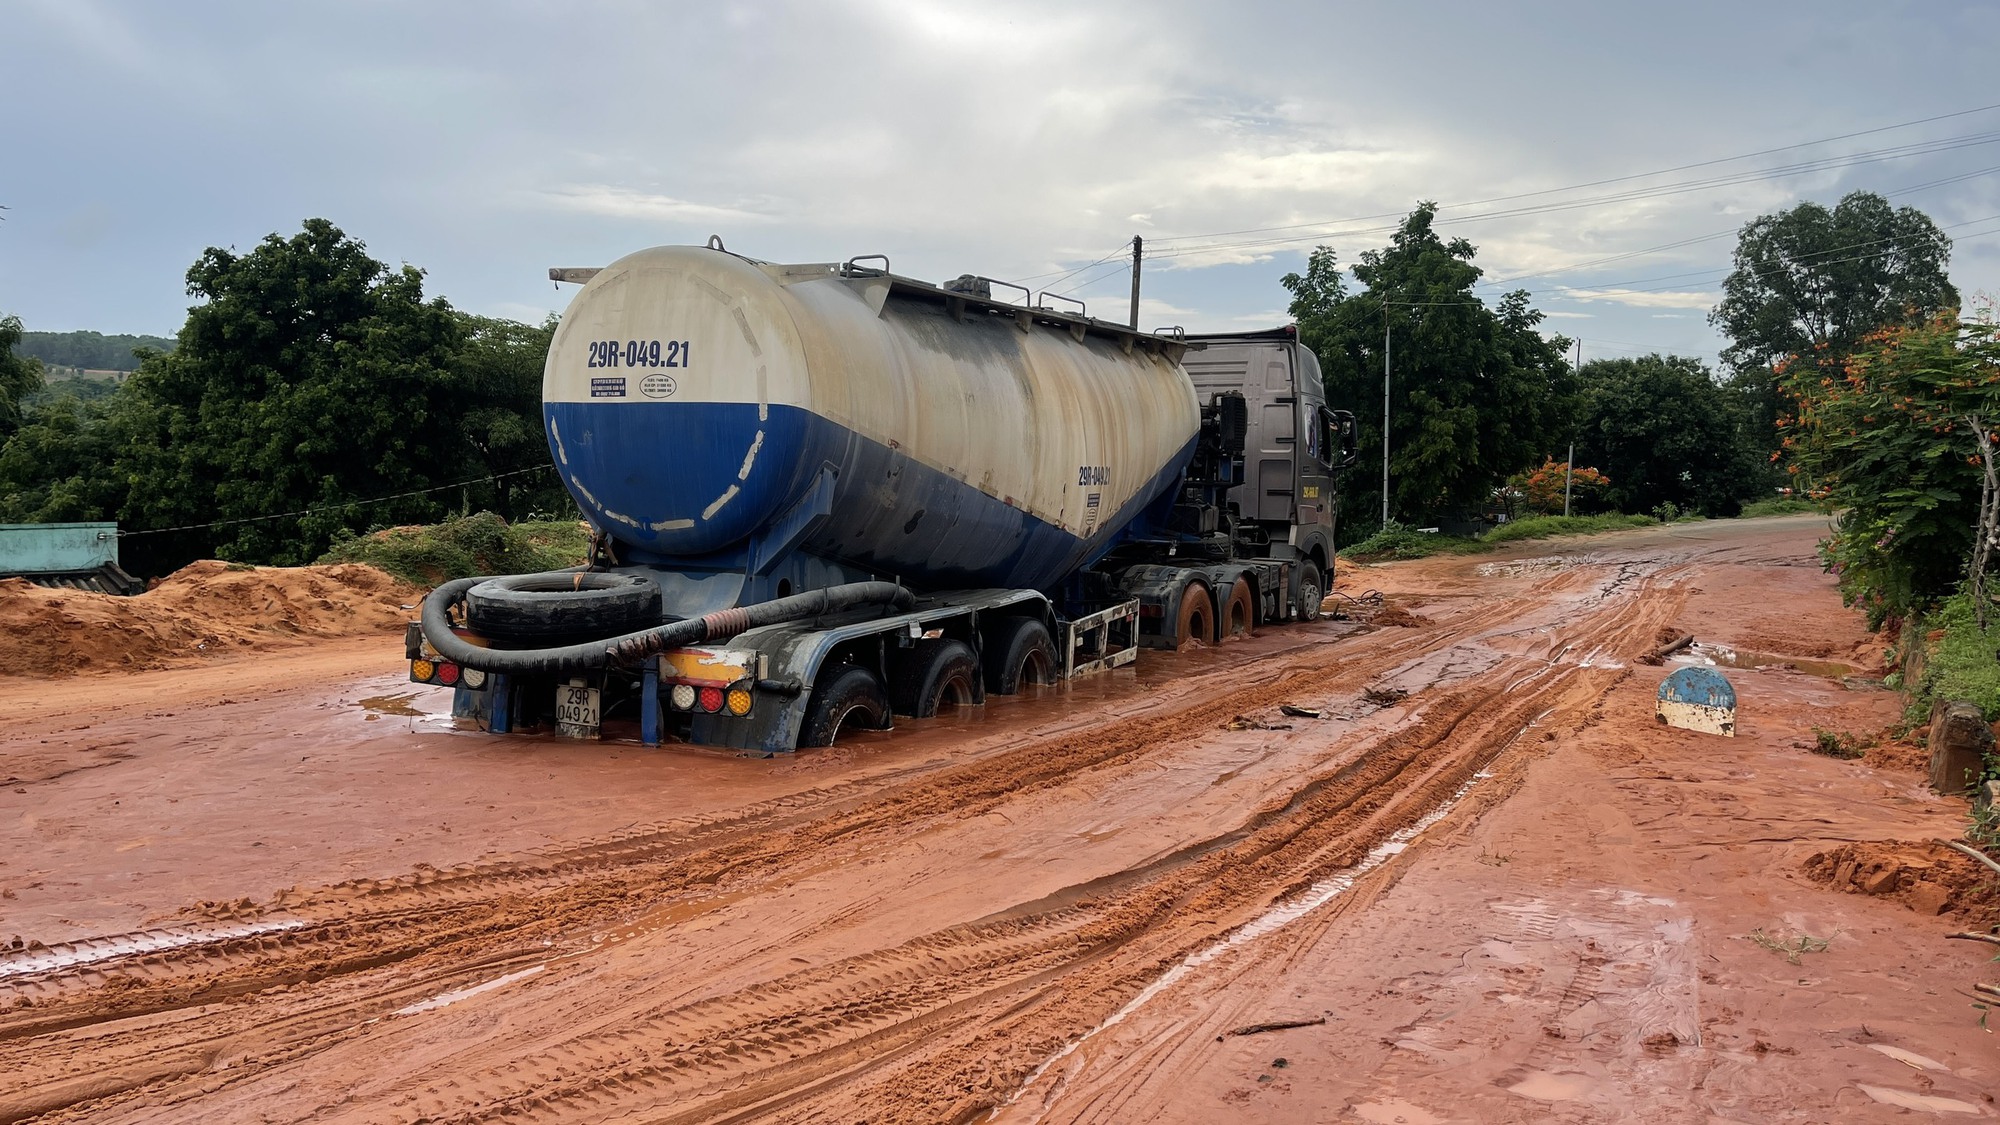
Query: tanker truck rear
[(826, 495)]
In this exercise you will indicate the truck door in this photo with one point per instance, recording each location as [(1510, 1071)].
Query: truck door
[(1276, 445)]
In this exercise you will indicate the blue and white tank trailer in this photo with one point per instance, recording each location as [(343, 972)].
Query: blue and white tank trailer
[(826, 495)]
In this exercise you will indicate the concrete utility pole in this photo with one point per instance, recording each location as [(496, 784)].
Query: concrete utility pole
[(1138, 252), (1385, 413), (1569, 465)]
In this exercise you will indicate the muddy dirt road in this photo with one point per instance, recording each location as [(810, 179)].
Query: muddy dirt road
[(1485, 887)]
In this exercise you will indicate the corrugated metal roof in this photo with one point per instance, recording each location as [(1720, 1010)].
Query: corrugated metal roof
[(106, 579)]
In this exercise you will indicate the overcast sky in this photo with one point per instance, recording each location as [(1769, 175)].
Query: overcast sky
[(487, 141)]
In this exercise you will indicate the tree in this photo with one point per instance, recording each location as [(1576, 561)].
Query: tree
[(500, 364), (311, 377), (1665, 432), (1813, 282), (1476, 392), (20, 375), (1890, 439)]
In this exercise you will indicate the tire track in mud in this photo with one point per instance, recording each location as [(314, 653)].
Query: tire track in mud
[(812, 1033)]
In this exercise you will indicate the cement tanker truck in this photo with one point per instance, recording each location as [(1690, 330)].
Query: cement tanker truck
[(826, 495)]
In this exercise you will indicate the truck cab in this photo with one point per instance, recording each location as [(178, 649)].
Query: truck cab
[(1293, 445)]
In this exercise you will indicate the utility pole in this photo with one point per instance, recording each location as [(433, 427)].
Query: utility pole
[(1569, 465), (1138, 252), (1385, 412)]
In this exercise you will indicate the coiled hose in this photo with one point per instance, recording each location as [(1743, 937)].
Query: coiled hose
[(634, 647)]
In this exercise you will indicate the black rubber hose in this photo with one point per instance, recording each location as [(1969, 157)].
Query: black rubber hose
[(635, 647)]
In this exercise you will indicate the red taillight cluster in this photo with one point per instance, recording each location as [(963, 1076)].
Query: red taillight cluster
[(711, 699), (445, 674)]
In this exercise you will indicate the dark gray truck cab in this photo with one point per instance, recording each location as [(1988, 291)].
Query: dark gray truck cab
[(1293, 445)]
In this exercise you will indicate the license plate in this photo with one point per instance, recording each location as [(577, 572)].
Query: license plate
[(576, 711)]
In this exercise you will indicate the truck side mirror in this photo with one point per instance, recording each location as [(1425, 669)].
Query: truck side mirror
[(1341, 435)]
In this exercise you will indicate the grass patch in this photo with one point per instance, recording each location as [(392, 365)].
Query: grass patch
[(1544, 527), (1778, 506), (460, 548), (1966, 665), (1791, 949), (1834, 744), (1399, 542)]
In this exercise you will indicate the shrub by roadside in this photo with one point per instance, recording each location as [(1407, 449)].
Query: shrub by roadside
[(1963, 664), (1781, 506), (1400, 542), (476, 544)]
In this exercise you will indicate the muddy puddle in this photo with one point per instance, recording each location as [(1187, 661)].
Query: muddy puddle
[(1722, 656)]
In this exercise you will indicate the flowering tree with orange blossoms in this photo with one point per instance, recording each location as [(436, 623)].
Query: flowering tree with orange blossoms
[(1892, 437), (1541, 489)]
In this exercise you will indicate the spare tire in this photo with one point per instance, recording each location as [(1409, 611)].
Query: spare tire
[(574, 604)]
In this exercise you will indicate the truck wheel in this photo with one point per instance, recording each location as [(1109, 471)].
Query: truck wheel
[(563, 604), (935, 676), (1312, 591), (1022, 654), (1197, 619), (1239, 617), (852, 697)]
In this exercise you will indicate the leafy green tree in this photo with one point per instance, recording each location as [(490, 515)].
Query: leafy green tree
[(1886, 439), (59, 466), (1812, 282), (500, 364), (1476, 392), (20, 375), (311, 376), (1665, 431), (90, 350)]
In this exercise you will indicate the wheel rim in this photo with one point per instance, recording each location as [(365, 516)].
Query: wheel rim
[(871, 718), (1034, 669), (954, 692)]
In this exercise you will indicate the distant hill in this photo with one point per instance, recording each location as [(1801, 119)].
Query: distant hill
[(88, 351)]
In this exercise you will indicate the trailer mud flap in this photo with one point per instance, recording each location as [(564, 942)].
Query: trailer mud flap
[(1101, 641)]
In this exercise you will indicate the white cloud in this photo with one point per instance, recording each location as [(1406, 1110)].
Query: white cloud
[(626, 203)]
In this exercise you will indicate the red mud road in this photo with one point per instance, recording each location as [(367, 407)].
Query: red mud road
[(1487, 887)]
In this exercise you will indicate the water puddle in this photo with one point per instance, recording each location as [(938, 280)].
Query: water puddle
[(392, 705), (1722, 656), (1544, 1086), (89, 951)]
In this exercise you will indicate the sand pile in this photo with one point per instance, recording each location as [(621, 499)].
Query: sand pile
[(205, 609)]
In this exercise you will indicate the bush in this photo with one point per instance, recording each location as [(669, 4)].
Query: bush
[(460, 548), (1542, 527), (1779, 506), (1397, 541), (1400, 542), (1964, 664)]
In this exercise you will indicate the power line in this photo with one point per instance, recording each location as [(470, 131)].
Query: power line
[(1735, 230), (1657, 192), (335, 507), (1611, 180)]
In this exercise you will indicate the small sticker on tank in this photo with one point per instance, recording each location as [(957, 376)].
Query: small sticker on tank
[(607, 386), (657, 385)]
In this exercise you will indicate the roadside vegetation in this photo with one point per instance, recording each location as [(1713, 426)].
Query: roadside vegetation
[(460, 548), (1782, 506), (1963, 663), (314, 393), (1399, 542)]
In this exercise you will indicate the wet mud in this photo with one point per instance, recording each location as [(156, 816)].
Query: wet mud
[(1482, 885)]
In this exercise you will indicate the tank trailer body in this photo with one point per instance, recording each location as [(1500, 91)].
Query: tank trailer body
[(826, 495)]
